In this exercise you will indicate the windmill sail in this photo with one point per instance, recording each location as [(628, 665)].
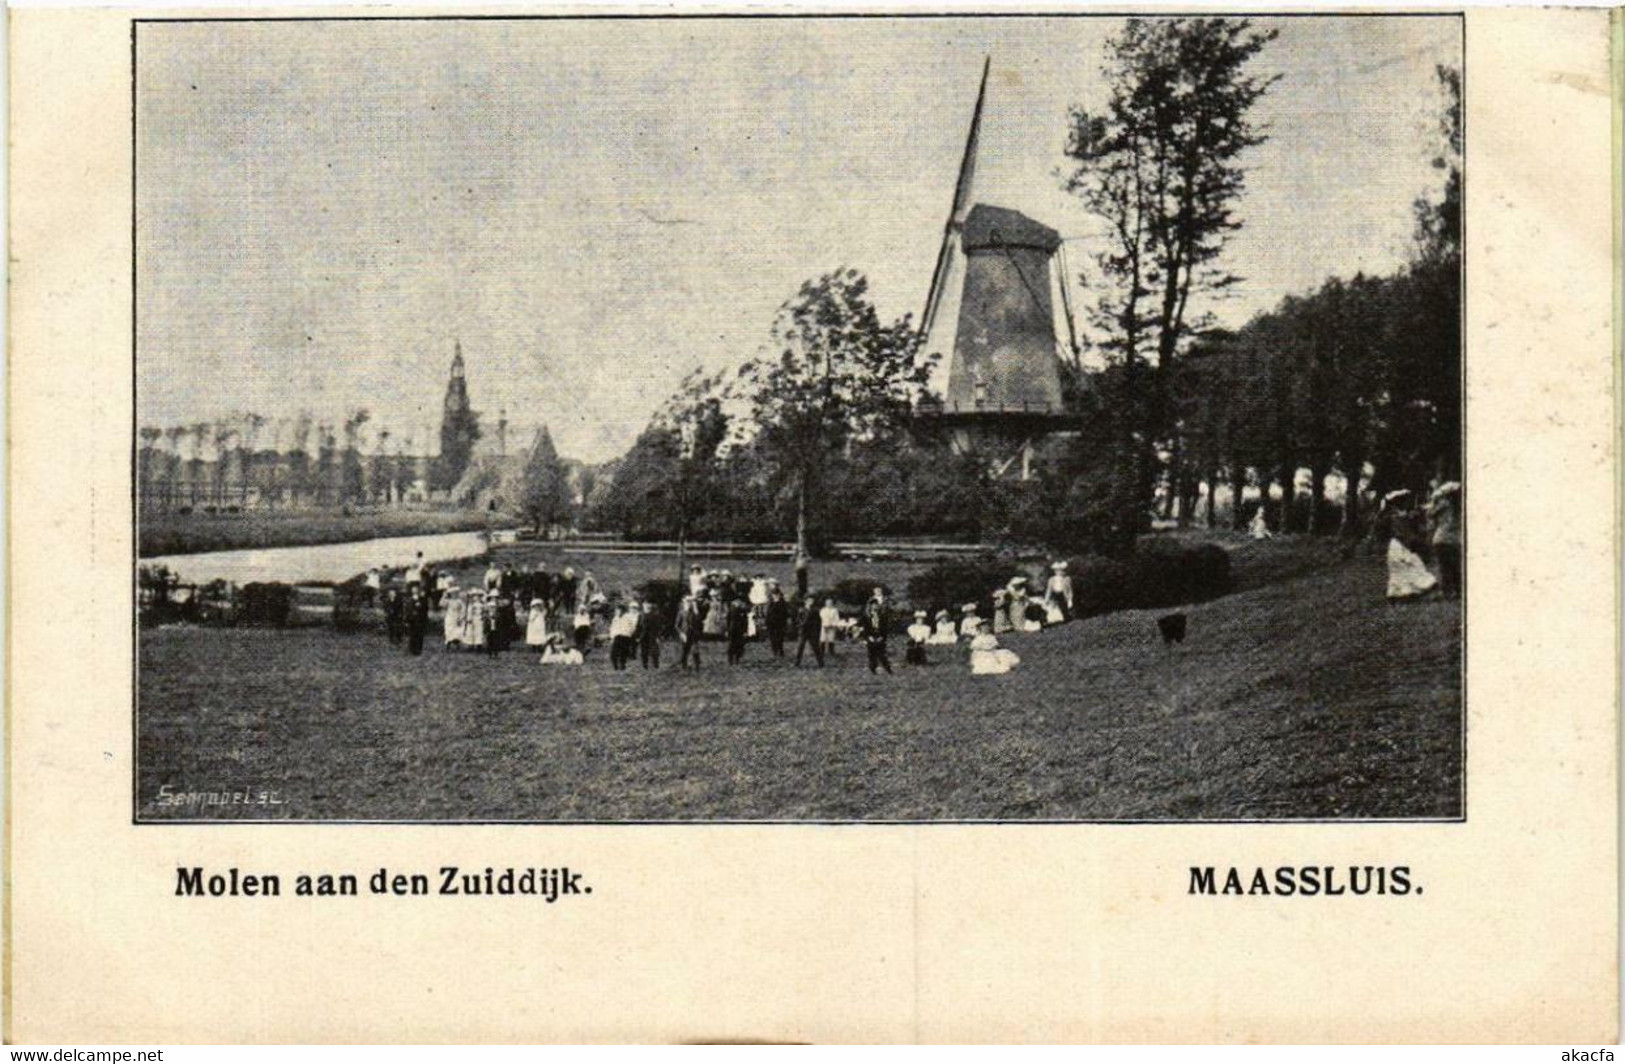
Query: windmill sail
[(956, 218)]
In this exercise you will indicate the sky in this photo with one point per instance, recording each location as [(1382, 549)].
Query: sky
[(594, 208)]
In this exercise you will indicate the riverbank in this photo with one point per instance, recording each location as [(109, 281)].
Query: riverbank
[(162, 534)]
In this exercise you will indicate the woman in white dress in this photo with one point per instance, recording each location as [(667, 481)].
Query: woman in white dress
[(453, 621), (1019, 621), (715, 625), (758, 605), (587, 591), (944, 634), (474, 626), (987, 658), (555, 652), (829, 626), (1058, 595), (1260, 528), (1408, 575), (969, 621), (536, 624)]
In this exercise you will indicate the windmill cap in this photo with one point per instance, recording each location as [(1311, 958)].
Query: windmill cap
[(989, 227)]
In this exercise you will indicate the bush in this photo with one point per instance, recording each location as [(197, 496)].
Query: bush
[(1100, 584), (160, 599), (666, 595), (1060, 513), (852, 592), (215, 604), (350, 605), (265, 604), (949, 585), (1179, 574), (1158, 574)]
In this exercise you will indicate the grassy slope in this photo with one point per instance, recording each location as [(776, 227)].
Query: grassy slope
[(1310, 697)]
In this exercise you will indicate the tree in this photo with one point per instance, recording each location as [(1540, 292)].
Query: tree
[(546, 490), (697, 428), (1431, 383), (1159, 164), (350, 472), (299, 467), (253, 424), (839, 376), (667, 481), (1438, 222)]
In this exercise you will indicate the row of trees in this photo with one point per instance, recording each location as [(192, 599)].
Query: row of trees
[(303, 433), (248, 458), (1361, 378)]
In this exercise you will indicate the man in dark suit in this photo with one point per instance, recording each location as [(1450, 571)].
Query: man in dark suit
[(649, 636), (738, 628), (873, 625), (778, 620), (807, 630), (690, 630), (417, 618)]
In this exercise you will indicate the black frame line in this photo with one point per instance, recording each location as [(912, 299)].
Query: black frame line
[(136, 820)]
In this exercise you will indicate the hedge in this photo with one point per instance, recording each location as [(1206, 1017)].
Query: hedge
[(949, 585), (1160, 573), (265, 604)]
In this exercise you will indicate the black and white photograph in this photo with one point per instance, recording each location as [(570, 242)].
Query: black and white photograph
[(801, 419)]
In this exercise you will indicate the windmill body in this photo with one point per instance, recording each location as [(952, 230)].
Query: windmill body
[(992, 316), (1004, 346)]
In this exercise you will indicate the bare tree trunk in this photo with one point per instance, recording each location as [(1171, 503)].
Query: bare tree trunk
[(1318, 472), (1353, 466), (1211, 477), (682, 549), (1238, 488), (1190, 489), (1287, 477), (801, 518), (1174, 490)]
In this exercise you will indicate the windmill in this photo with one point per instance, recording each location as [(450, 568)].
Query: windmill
[(999, 314)]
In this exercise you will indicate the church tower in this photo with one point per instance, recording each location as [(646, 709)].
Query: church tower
[(459, 427)]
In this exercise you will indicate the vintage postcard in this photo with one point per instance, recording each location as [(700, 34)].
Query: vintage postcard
[(730, 525)]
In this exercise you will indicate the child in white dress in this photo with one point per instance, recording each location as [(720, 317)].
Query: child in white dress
[(987, 658), (536, 624)]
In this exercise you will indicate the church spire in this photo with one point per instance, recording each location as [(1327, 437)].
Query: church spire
[(459, 426)]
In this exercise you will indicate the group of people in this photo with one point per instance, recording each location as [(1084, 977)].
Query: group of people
[(1416, 532), (553, 614), (563, 617)]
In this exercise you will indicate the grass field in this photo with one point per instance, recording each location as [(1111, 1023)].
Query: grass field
[(171, 533), (1305, 695)]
